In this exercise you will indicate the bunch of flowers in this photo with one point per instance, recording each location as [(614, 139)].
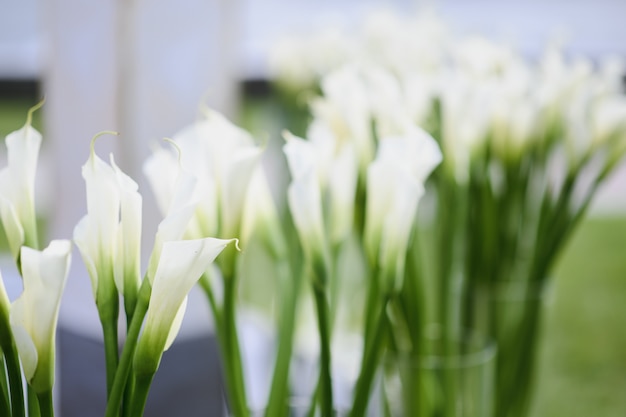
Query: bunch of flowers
[(108, 238), (526, 146)]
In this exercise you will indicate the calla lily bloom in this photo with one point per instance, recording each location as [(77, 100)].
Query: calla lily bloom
[(394, 186), (34, 314), (304, 197), (109, 236), (17, 188), (180, 265), (223, 158)]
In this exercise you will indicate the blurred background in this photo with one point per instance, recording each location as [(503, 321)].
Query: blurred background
[(144, 67)]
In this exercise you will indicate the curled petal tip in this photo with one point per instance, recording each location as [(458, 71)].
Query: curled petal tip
[(97, 135), (29, 117), (175, 145)]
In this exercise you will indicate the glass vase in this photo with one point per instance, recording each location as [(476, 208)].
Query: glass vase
[(511, 313), (442, 378)]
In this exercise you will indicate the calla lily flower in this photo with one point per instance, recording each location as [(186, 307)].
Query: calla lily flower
[(223, 158), (305, 203), (180, 265), (304, 197), (109, 236), (17, 188), (394, 186), (260, 216), (34, 314), (177, 186)]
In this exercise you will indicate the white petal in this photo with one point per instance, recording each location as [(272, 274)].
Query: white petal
[(234, 187), (24, 343), (180, 266), (305, 203), (161, 170), (83, 238), (342, 183), (36, 310), (12, 226), (178, 321), (300, 154), (128, 250)]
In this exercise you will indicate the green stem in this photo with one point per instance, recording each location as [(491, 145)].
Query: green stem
[(222, 339), (140, 394), (280, 382), (370, 364), (128, 397), (14, 370), (33, 403), (5, 405), (233, 366), (123, 370), (326, 391), (111, 353), (46, 407)]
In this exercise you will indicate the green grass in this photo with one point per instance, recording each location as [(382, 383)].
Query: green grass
[(583, 361)]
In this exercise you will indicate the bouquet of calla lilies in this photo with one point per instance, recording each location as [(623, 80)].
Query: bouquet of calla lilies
[(108, 238), (508, 155), (525, 145), (209, 182)]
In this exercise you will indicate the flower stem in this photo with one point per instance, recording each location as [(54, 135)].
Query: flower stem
[(33, 403), (276, 404), (5, 405), (46, 407), (140, 394), (14, 371), (111, 353), (123, 370), (326, 389), (233, 359), (370, 363)]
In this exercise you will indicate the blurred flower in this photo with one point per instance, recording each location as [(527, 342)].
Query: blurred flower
[(394, 186), (34, 314), (223, 158), (305, 202)]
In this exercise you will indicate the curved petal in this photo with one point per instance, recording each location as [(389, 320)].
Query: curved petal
[(17, 187), (234, 186), (180, 266), (37, 309), (305, 203), (178, 321), (127, 268), (12, 226), (85, 244)]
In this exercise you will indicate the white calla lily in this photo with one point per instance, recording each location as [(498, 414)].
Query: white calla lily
[(394, 186), (34, 314), (260, 216), (17, 188), (224, 158), (305, 202), (180, 211), (109, 236), (96, 234), (180, 265)]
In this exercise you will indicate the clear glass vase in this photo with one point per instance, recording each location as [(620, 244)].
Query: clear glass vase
[(451, 378), (511, 313)]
